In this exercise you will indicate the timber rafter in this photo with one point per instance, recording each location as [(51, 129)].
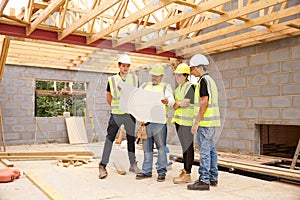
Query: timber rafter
[(165, 28)]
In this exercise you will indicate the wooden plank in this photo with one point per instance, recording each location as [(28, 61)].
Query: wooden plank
[(86, 18), (47, 153), (167, 22), (2, 131), (296, 155), (2, 6), (121, 134), (76, 130), (253, 22), (250, 164), (7, 163), (54, 5), (3, 54), (44, 187), (266, 170), (210, 23), (132, 18), (242, 39)]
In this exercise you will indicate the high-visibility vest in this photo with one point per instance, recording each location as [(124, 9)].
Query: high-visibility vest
[(211, 116), (131, 79), (161, 87), (183, 116)]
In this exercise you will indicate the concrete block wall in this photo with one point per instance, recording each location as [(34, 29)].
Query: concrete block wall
[(262, 86), (18, 96), (258, 85)]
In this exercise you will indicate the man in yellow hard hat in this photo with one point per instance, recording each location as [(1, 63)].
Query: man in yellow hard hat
[(206, 118), (118, 117), (156, 132), (183, 119)]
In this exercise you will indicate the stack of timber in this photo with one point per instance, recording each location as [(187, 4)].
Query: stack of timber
[(73, 159), (249, 163)]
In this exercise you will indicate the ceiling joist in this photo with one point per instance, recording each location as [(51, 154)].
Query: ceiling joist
[(162, 28)]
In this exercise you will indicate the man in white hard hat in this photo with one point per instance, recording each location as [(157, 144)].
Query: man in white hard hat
[(206, 118), (156, 132), (118, 117), (183, 120)]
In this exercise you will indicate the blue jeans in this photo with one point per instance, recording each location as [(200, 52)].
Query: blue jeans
[(208, 169), (156, 133)]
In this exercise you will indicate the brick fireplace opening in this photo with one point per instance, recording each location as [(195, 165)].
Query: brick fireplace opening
[(279, 140)]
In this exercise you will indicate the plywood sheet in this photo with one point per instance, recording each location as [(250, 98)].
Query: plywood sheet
[(76, 130)]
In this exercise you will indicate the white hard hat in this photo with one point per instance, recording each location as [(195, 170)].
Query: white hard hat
[(124, 58), (198, 59)]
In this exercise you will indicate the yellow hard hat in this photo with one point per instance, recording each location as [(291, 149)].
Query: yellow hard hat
[(157, 70), (183, 69)]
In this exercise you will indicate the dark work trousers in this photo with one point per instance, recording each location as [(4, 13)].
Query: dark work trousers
[(186, 139), (115, 121)]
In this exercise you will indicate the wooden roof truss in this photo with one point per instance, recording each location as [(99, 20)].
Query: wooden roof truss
[(183, 27)]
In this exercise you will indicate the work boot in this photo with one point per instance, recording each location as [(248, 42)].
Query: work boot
[(161, 178), (214, 183), (182, 178), (198, 185), (141, 176), (134, 168), (102, 172)]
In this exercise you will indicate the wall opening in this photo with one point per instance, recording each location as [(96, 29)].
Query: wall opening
[(279, 140), (53, 98)]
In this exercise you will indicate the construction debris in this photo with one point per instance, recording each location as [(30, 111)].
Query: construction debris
[(73, 160)]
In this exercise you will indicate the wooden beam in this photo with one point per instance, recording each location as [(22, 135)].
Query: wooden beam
[(210, 23), (253, 22), (7, 163), (46, 153), (244, 39), (86, 18), (167, 22), (2, 6), (54, 5), (62, 16), (132, 18), (186, 3), (49, 191), (3, 55)]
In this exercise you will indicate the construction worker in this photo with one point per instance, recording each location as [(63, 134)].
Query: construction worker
[(206, 118), (183, 119), (156, 132), (118, 117)]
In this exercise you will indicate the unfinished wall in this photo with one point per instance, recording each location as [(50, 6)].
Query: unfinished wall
[(258, 85), (262, 85), (18, 95), (17, 100)]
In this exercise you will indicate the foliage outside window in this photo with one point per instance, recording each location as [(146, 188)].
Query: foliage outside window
[(53, 98)]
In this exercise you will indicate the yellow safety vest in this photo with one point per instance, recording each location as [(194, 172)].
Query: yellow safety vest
[(161, 87), (183, 116), (211, 116), (115, 92)]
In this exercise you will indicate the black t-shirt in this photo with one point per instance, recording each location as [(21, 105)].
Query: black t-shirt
[(108, 87), (190, 94), (203, 87)]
